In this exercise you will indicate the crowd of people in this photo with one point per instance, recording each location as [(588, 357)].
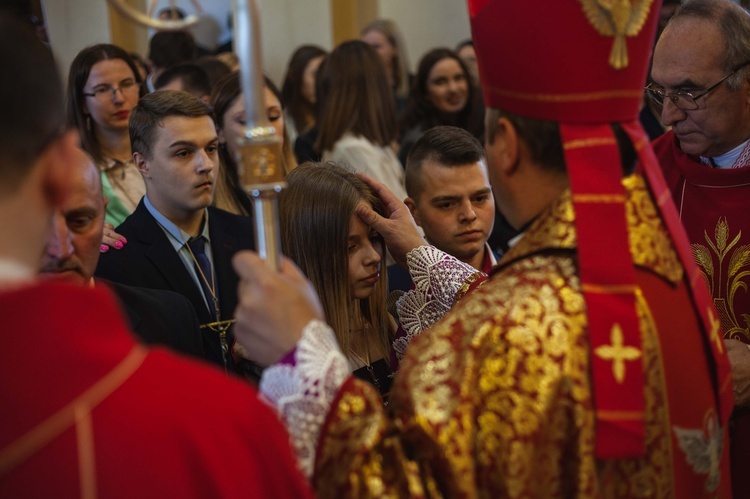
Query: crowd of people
[(494, 283)]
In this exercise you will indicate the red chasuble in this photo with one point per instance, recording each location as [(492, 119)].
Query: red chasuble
[(714, 207), (495, 400), (88, 412)]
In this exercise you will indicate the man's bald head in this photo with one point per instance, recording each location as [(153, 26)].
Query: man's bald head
[(72, 250)]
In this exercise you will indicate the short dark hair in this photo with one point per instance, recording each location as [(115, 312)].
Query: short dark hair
[(544, 142), (215, 69), (167, 48), (32, 112), (194, 78), (447, 146), (154, 108)]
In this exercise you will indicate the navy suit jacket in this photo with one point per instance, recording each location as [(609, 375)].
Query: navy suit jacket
[(160, 317), (149, 260)]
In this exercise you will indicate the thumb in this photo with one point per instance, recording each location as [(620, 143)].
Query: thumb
[(369, 216)]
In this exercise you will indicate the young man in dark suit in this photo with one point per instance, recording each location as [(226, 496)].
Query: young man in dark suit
[(176, 240)]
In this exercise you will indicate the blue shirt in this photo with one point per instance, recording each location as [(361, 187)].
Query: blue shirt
[(179, 239)]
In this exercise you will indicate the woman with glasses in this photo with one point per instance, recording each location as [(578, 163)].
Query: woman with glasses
[(103, 87)]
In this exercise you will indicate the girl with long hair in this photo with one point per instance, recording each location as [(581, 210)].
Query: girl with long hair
[(342, 257)]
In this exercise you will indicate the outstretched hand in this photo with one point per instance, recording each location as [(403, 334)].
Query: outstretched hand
[(273, 307), (397, 227)]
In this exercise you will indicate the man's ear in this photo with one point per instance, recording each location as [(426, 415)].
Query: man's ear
[(409, 202), (142, 164), (505, 147), (58, 161)]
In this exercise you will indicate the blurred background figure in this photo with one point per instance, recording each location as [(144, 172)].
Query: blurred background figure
[(384, 36), (167, 48), (298, 90), (465, 50), (215, 69), (186, 77), (442, 94), (357, 116), (229, 109)]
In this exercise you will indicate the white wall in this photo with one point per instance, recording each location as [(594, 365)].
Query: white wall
[(427, 24), (286, 24), (73, 25)]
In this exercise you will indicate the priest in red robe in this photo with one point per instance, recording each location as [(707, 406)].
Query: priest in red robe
[(701, 78), (590, 362), (86, 411)]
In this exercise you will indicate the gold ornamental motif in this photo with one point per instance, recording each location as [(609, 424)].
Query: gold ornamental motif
[(617, 18), (711, 260), (496, 401), (618, 353)]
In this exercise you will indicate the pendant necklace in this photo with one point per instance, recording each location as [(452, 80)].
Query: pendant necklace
[(218, 326)]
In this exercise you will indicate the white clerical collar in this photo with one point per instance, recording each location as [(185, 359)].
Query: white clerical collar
[(728, 159), (515, 239), (14, 273)]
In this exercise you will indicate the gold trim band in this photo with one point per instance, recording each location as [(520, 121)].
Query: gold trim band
[(592, 142), (599, 198), (563, 98), (619, 415), (35, 439), (620, 289)]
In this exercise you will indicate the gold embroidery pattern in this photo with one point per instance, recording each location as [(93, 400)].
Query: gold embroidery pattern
[(712, 266), (646, 478), (617, 18), (618, 353), (495, 399), (650, 244)]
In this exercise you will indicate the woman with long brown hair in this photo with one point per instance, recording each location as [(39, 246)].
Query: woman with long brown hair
[(357, 120), (298, 90), (104, 85), (229, 109), (442, 94), (343, 258)]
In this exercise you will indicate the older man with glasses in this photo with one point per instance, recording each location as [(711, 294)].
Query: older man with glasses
[(700, 77)]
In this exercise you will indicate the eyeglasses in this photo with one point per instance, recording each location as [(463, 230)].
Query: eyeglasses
[(104, 92), (685, 101)]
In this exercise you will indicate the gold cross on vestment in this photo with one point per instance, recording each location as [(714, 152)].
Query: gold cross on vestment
[(715, 328), (618, 353)]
